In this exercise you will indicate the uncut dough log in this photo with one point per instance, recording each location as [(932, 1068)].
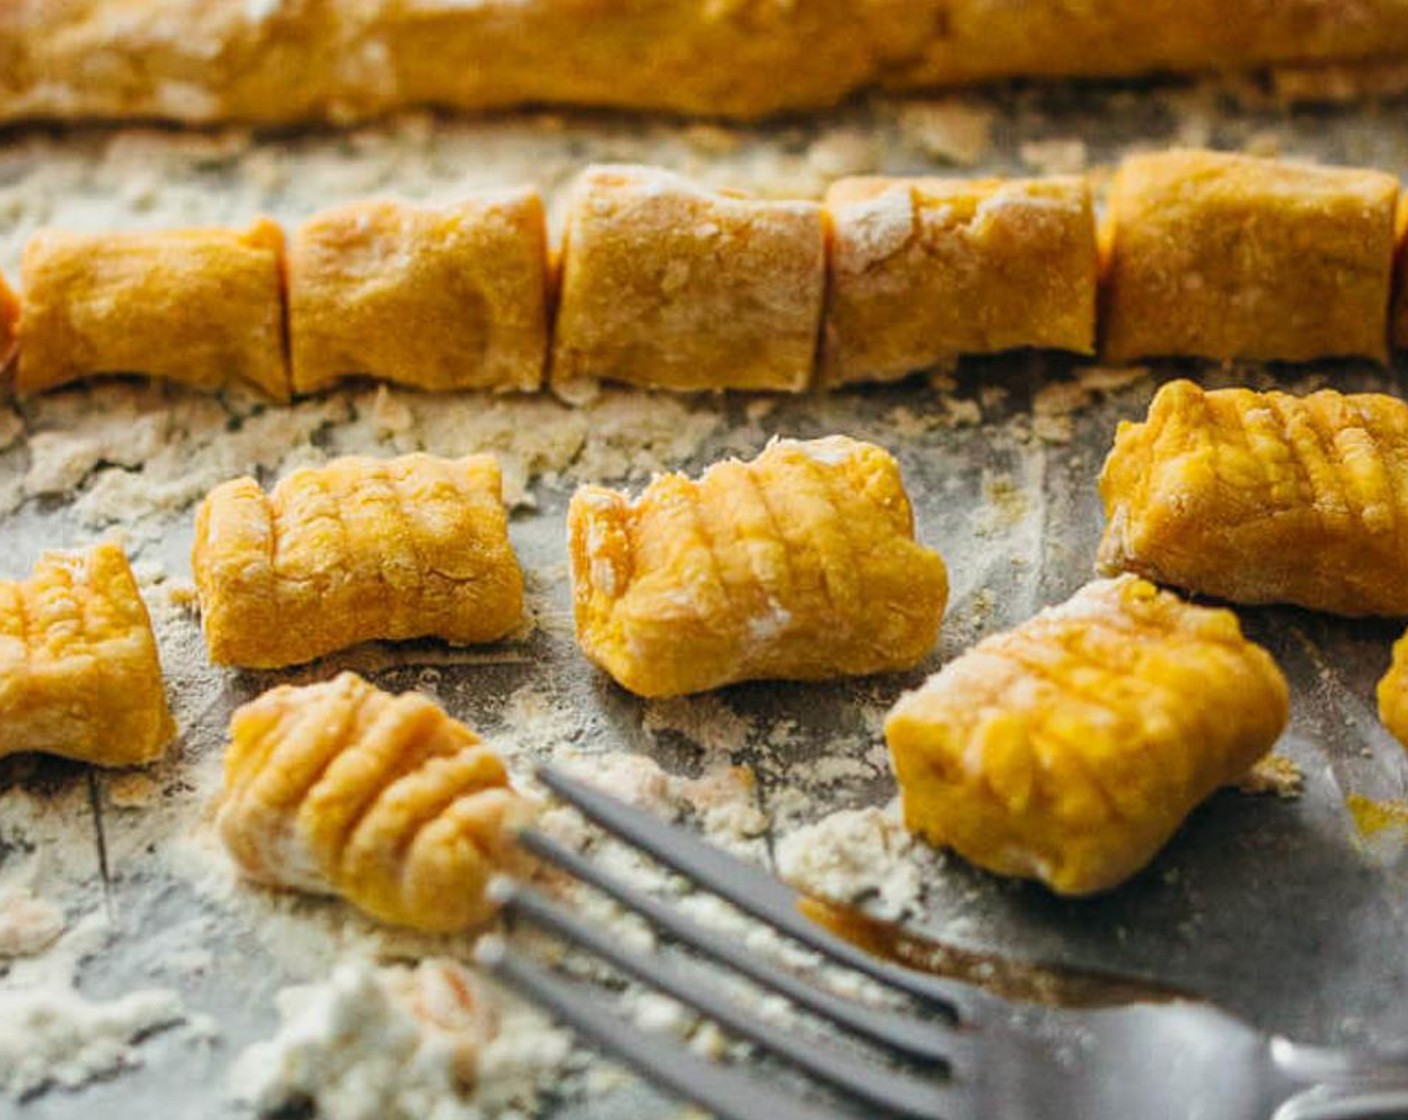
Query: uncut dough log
[(924, 270), (1214, 255), (199, 306), (355, 550), (798, 565), (79, 671), (340, 788), (1264, 498), (981, 40), (671, 286), (195, 61), (445, 298), (1070, 749)]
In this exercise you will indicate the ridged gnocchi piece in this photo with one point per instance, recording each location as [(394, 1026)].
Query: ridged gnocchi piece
[(798, 565), (448, 298), (1070, 749), (9, 322), (339, 788), (671, 286), (355, 550), (200, 306), (925, 270), (79, 671), (1264, 498), (1216, 255)]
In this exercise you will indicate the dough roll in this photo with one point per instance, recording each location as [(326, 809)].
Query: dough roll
[(339, 788), (353, 551), (281, 61), (204, 307), (1264, 498), (1070, 749), (448, 298), (798, 565), (79, 670)]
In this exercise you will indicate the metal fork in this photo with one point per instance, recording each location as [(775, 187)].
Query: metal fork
[(964, 1053)]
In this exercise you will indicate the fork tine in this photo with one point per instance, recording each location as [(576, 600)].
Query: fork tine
[(749, 888), (1384, 1105), (912, 1037), (726, 1092), (890, 1089)]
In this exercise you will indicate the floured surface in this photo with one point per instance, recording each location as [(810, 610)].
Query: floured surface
[(1273, 905)]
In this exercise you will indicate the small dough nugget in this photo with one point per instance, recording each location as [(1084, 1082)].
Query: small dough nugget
[(452, 298), (671, 286), (200, 306), (1264, 498), (1227, 256), (339, 788), (79, 671), (9, 322), (356, 550), (924, 270), (1393, 693), (799, 565), (1070, 749)]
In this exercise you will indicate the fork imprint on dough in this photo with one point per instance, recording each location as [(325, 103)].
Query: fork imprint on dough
[(340, 788), (1264, 498), (79, 671), (355, 550), (800, 564), (1071, 748)]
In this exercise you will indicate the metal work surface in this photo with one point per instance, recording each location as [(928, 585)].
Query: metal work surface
[(1288, 911)]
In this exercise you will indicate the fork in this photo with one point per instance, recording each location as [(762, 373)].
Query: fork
[(963, 1052)]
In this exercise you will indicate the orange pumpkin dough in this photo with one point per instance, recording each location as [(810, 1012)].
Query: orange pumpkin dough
[(204, 307), (340, 788), (1071, 749), (355, 550), (79, 670)]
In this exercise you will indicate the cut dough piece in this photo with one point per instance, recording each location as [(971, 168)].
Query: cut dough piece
[(199, 306), (355, 550), (79, 671), (799, 565), (1213, 255), (9, 322), (1264, 498), (1070, 749), (452, 298), (924, 270), (340, 788), (671, 286)]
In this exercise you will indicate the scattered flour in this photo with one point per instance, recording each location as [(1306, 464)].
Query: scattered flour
[(856, 856), (385, 1043), (952, 129), (53, 1036)]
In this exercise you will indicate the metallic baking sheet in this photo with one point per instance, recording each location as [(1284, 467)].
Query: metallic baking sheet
[(1282, 910)]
